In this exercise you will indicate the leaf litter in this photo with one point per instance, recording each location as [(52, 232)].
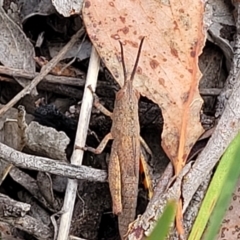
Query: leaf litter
[(169, 54)]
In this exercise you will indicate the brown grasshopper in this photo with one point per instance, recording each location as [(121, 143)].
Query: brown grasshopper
[(126, 155)]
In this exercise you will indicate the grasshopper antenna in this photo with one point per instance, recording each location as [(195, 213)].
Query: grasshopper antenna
[(123, 63), (137, 60)]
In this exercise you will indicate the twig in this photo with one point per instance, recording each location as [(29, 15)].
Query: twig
[(235, 66), (80, 140), (48, 78), (210, 91), (12, 208), (61, 89), (228, 125), (227, 128), (30, 184), (163, 182), (30, 225), (75, 238), (44, 71), (56, 167), (74, 81)]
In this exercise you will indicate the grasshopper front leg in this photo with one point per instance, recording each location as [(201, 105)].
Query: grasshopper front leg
[(98, 105), (101, 146), (108, 137)]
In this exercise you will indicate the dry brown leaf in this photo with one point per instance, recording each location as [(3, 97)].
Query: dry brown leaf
[(168, 72)]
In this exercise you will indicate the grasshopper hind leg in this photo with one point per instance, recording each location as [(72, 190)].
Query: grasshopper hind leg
[(147, 181), (114, 179)]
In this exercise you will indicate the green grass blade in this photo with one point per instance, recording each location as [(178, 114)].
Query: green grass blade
[(228, 163), (161, 230), (225, 196)]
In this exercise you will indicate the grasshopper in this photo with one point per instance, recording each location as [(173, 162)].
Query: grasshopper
[(126, 156)]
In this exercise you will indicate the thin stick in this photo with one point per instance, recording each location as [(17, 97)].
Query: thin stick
[(44, 71), (73, 81), (80, 140), (56, 167)]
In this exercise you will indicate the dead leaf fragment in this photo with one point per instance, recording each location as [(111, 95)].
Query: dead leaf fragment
[(61, 69), (68, 7), (16, 50)]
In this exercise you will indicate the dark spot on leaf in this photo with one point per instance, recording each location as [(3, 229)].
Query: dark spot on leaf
[(190, 70), (230, 208), (122, 19), (87, 4), (193, 54), (181, 76), (133, 44), (115, 36), (184, 97), (154, 64), (114, 19), (125, 30), (222, 233), (135, 32), (164, 59), (111, 4), (94, 37), (94, 25), (161, 81), (181, 10), (175, 25), (100, 22), (174, 52), (139, 70)]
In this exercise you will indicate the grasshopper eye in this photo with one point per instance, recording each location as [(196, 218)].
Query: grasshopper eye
[(120, 94), (137, 94)]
